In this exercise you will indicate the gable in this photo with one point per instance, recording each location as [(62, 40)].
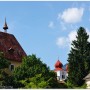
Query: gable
[(10, 47)]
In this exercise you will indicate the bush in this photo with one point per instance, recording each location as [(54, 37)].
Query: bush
[(69, 85)]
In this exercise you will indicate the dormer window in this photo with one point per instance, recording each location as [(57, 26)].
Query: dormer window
[(11, 50)]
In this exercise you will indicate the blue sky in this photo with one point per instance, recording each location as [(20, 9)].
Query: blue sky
[(46, 28)]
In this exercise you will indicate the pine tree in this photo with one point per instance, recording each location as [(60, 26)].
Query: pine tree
[(79, 58)]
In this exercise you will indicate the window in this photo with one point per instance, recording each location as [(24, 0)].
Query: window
[(11, 67), (63, 76)]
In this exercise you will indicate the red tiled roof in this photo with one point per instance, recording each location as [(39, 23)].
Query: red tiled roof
[(58, 64), (10, 47), (58, 69)]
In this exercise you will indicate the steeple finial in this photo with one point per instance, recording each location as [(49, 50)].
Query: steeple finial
[(5, 26), (58, 57)]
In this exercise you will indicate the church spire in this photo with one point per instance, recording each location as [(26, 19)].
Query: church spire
[(58, 57), (5, 26)]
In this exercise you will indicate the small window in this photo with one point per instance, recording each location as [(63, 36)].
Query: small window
[(63, 76), (11, 67)]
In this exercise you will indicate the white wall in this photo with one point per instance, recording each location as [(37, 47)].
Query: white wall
[(60, 73), (88, 84)]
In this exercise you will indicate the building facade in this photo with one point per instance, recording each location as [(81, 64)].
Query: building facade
[(62, 72), (87, 81), (11, 48)]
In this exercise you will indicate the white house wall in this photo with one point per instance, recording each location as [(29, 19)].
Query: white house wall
[(88, 84), (59, 75)]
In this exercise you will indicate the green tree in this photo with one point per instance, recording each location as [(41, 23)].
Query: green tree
[(33, 73), (79, 58), (35, 82), (39, 82), (4, 63), (30, 67)]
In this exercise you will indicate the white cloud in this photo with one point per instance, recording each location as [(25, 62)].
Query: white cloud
[(72, 36), (66, 41), (61, 41), (51, 24), (71, 15)]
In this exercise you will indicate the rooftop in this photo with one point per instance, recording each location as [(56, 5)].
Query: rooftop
[(10, 47)]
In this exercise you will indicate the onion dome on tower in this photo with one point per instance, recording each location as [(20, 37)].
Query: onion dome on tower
[(5, 26), (58, 66)]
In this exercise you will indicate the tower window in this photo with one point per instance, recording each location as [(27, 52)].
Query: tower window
[(63, 76)]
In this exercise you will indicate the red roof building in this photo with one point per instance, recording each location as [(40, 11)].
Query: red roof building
[(10, 46)]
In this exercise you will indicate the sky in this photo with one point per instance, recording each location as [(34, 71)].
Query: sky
[(46, 29)]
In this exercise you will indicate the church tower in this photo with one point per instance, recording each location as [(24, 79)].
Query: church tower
[(59, 70)]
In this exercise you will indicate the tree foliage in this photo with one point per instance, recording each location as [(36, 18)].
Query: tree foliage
[(79, 58), (35, 82), (30, 67), (33, 73), (4, 63)]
